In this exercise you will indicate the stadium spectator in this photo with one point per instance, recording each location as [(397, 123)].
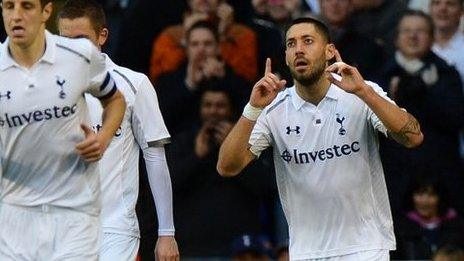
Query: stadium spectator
[(422, 83), (237, 42), (211, 211), (179, 90), (428, 222), (449, 41)]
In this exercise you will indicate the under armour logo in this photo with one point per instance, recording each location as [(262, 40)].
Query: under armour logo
[(289, 130), (60, 83), (286, 156), (7, 95), (342, 130)]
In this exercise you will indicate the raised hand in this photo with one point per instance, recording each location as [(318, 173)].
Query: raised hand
[(266, 89), (351, 81), (225, 12), (194, 73), (213, 67), (202, 141), (191, 19)]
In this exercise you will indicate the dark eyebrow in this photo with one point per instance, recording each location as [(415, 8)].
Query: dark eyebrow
[(303, 36), (290, 39)]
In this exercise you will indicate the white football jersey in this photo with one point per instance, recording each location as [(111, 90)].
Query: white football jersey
[(142, 126), (41, 109), (328, 171)]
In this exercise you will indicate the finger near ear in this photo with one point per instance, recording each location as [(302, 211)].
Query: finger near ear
[(338, 57)]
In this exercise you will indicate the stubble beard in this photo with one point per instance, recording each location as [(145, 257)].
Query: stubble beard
[(308, 80)]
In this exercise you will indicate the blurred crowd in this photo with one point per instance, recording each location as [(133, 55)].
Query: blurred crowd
[(203, 57)]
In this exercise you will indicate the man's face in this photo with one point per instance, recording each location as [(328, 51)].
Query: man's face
[(24, 19), (215, 106), (204, 6), (336, 12), (414, 37), (307, 53), (201, 44), (446, 14), (79, 28)]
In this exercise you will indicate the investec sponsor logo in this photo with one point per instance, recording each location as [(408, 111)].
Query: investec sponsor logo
[(37, 116), (335, 151)]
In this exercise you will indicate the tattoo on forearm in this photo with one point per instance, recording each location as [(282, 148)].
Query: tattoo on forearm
[(411, 128)]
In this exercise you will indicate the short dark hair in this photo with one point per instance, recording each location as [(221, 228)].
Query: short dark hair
[(215, 84), (204, 25), (91, 9), (418, 13), (321, 27), (425, 182)]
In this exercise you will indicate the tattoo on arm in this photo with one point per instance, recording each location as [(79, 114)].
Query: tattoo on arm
[(411, 128)]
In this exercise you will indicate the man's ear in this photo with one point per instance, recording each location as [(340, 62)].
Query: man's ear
[(103, 36), (47, 12), (329, 52)]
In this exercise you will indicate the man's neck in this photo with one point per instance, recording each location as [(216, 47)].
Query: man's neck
[(315, 92), (444, 35), (27, 56)]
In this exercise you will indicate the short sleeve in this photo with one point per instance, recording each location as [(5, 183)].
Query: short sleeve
[(260, 138), (101, 83), (375, 121), (147, 122)]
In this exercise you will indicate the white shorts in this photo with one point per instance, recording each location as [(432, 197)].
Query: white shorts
[(369, 255), (47, 233), (117, 247)]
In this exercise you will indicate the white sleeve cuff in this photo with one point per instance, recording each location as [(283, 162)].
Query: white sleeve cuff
[(160, 184)]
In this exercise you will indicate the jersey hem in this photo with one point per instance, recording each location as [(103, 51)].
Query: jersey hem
[(342, 252)]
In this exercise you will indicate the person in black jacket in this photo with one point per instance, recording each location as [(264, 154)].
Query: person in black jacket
[(428, 222), (211, 211), (423, 84)]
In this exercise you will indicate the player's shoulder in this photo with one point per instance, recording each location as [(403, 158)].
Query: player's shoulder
[(279, 100), (80, 48), (135, 80)]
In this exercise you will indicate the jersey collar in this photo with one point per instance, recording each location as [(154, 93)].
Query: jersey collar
[(333, 93), (6, 61)]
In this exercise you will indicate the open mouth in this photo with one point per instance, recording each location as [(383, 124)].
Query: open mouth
[(18, 30), (301, 63)]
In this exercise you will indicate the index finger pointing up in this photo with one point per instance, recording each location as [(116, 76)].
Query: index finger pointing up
[(268, 66)]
